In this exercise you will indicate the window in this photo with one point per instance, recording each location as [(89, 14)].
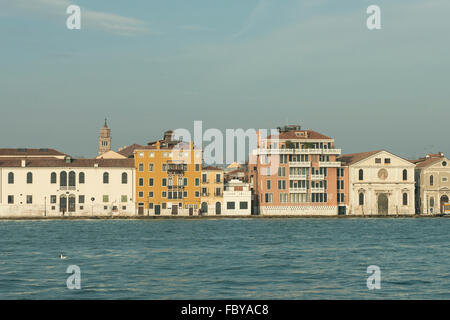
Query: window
[(204, 178), (105, 198), (185, 181), (231, 205), (29, 177), (124, 178), (405, 199), (124, 198), (197, 182), (10, 199), (53, 178), (141, 182), (164, 182), (10, 178), (281, 171), (72, 179), (243, 205), (141, 167), (405, 175), (377, 160), (387, 160), (106, 178), (281, 184), (150, 167), (218, 178), (197, 194), (150, 194), (29, 199), (63, 179), (81, 199), (268, 184), (150, 182), (361, 174), (53, 199), (164, 194), (141, 194), (268, 197), (81, 178), (431, 180), (197, 167), (361, 199)]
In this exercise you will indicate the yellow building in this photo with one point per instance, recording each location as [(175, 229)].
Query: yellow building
[(212, 190), (168, 175)]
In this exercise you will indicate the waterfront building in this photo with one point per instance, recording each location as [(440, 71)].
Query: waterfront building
[(237, 198), (380, 183), (295, 173), (432, 175), (168, 174), (70, 187), (212, 190)]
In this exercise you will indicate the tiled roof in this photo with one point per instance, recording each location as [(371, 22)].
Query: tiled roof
[(212, 168), (310, 135), (26, 152), (61, 163), (351, 158), (428, 162), (128, 151)]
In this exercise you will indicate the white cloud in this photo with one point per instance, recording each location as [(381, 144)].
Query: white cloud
[(105, 21)]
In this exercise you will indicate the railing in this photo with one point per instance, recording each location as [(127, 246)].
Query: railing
[(317, 177), (297, 190), (297, 176), (298, 151), (318, 189), (329, 164), (67, 187), (300, 164)]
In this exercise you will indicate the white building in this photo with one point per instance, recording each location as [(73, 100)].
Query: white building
[(237, 198), (380, 183), (74, 187)]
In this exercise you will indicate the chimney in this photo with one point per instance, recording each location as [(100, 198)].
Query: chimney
[(23, 163)]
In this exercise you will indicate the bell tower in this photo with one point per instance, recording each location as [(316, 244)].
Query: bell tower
[(104, 141)]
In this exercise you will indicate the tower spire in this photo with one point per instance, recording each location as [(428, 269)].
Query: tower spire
[(104, 140)]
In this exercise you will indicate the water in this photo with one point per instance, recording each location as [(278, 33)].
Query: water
[(226, 259)]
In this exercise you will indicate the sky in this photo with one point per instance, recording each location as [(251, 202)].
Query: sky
[(149, 66)]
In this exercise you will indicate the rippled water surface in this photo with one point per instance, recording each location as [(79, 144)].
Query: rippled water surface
[(226, 259)]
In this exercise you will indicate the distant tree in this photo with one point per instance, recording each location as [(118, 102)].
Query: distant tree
[(290, 145)]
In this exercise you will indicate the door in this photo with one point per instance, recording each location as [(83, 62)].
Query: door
[(141, 209), (444, 201), (204, 207), (218, 208), (174, 209), (157, 209), (383, 204), (62, 203), (191, 211), (71, 203)]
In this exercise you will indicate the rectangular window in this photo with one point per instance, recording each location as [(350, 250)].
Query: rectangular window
[(164, 194), (10, 199), (185, 181), (197, 182), (204, 178), (197, 167), (80, 199), (150, 167), (29, 199), (53, 199), (231, 205), (281, 171), (243, 205), (197, 194), (124, 198), (377, 160), (218, 179), (141, 182), (141, 167), (268, 184), (185, 194), (164, 182), (150, 182), (164, 167), (387, 160), (140, 194), (105, 198)]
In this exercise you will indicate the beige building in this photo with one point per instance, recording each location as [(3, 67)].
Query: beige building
[(432, 176), (237, 198), (379, 183), (212, 190)]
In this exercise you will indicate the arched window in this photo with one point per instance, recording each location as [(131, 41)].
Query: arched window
[(361, 174), (72, 179), (405, 175), (361, 199), (81, 177), (29, 177), (405, 199), (124, 178), (63, 179), (106, 178), (53, 177), (10, 178), (431, 180)]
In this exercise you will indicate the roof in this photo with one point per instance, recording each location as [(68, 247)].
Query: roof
[(212, 168), (423, 163), (310, 135), (27, 152), (351, 158), (61, 163), (234, 165), (128, 151)]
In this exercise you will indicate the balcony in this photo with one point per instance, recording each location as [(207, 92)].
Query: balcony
[(329, 164), (297, 190), (317, 190), (297, 176), (317, 177), (262, 151), (175, 168), (301, 164)]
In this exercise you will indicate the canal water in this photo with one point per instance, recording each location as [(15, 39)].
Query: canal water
[(226, 259)]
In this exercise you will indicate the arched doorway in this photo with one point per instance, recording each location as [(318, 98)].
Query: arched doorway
[(444, 200), (218, 208), (383, 204), (204, 207), (63, 204)]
